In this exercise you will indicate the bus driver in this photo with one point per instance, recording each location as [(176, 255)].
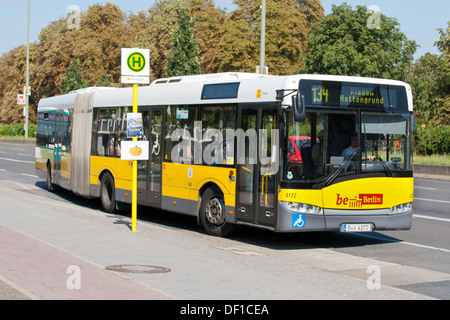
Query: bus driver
[(350, 152)]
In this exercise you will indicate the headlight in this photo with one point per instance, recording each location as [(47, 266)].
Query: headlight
[(402, 208), (302, 207)]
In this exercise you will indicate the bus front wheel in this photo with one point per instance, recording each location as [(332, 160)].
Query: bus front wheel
[(108, 193), (212, 214)]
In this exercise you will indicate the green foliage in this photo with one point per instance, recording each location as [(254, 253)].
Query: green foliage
[(73, 79), (343, 44), (155, 30), (429, 78), (17, 130), (105, 80), (443, 43), (432, 140), (298, 37), (184, 55), (435, 159), (287, 25)]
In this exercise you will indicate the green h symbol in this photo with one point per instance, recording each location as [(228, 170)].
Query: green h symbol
[(136, 62)]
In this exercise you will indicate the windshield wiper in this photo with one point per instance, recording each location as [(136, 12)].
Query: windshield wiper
[(338, 171), (385, 167)]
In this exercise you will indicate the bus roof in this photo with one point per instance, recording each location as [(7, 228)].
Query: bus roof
[(188, 90)]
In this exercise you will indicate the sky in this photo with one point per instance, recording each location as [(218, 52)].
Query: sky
[(418, 19)]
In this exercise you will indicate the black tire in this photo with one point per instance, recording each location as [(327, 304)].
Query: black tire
[(50, 185), (108, 193), (212, 214)]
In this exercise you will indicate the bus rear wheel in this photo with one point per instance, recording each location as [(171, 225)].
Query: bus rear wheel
[(212, 214), (50, 185), (108, 193)]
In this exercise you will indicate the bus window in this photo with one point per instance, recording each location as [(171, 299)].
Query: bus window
[(111, 126), (179, 137), (384, 137), (305, 160), (218, 119)]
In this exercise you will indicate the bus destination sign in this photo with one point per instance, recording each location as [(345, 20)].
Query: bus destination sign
[(353, 95)]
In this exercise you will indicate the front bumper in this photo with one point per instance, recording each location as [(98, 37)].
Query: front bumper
[(331, 220)]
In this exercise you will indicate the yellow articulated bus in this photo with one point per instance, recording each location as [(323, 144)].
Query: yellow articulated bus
[(285, 153)]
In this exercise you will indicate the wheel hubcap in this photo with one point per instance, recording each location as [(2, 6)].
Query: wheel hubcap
[(214, 211)]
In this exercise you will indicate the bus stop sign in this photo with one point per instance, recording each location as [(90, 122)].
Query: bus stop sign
[(135, 65)]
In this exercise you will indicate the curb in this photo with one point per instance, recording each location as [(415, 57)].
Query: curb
[(18, 142), (432, 169)]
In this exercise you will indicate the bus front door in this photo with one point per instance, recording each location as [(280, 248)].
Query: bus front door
[(149, 172), (257, 166)]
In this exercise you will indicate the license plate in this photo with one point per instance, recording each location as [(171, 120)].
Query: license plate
[(365, 227)]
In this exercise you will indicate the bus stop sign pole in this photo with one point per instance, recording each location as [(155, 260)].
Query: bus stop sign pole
[(135, 168), (135, 70)]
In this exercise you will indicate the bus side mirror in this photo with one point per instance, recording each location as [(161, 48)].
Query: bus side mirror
[(413, 123), (298, 105)]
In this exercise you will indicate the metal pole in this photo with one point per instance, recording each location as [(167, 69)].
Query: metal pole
[(262, 63), (135, 169), (28, 72)]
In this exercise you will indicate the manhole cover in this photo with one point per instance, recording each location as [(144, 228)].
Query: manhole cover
[(133, 268)]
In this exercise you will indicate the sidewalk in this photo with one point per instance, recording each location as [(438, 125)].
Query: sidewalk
[(42, 237), (31, 269)]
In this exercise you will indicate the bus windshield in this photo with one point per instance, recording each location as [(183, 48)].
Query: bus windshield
[(347, 144)]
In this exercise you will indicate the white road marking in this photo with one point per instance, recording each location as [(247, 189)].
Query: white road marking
[(424, 246), (15, 160), (403, 242), (426, 188), (423, 199), (29, 175), (430, 218)]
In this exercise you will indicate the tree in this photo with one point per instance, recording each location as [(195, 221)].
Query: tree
[(105, 80), (184, 55), (443, 43), (427, 78), (157, 28), (287, 25), (97, 45), (343, 44), (73, 79), (105, 30), (12, 81), (444, 46)]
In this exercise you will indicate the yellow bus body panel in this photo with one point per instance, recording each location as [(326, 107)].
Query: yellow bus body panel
[(370, 193), (179, 180), (120, 170), (312, 197), (360, 194), (184, 181)]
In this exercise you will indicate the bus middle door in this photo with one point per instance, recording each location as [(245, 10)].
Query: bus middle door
[(150, 171), (257, 175)]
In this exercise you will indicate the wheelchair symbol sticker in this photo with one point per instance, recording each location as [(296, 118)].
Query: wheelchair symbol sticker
[(298, 220)]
